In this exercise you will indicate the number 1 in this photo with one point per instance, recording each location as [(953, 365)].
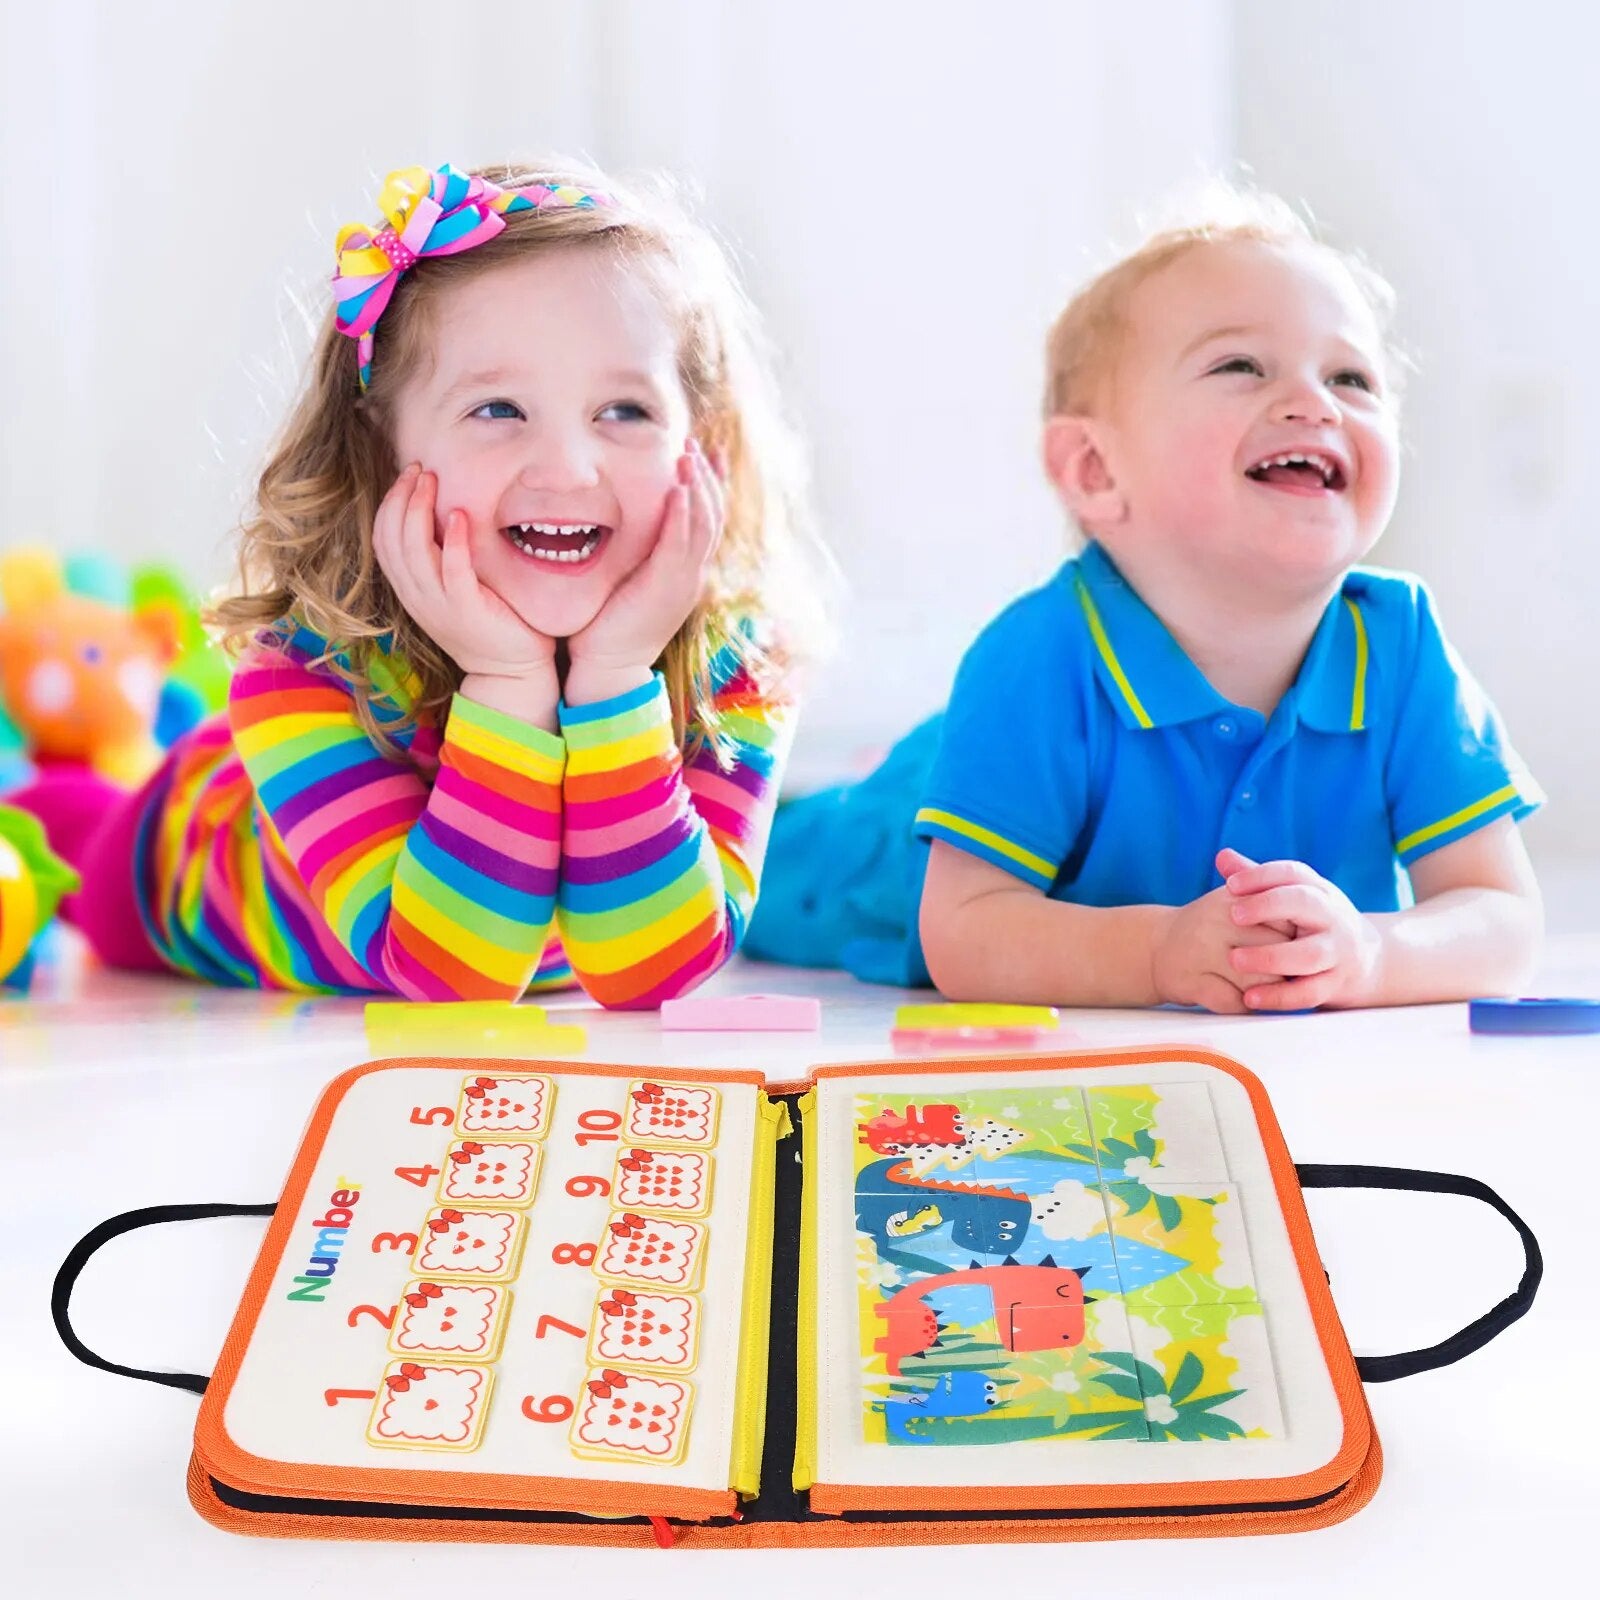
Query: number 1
[(333, 1396)]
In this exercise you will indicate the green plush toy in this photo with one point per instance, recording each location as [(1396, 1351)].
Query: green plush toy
[(32, 882)]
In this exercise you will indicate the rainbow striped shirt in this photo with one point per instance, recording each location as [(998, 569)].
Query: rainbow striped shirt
[(281, 848)]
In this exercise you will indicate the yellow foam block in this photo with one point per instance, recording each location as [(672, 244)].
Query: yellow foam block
[(493, 1028), (976, 1016)]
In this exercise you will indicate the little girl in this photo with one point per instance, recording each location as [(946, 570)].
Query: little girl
[(506, 644)]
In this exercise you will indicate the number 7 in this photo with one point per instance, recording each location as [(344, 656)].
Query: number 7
[(548, 1322)]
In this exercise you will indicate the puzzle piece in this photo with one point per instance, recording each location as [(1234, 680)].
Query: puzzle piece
[(672, 1113), (654, 1252), (624, 1416), (1164, 1131), (1099, 1392), (631, 1328), (918, 1041), (743, 1013), (424, 1407), (477, 1171), (663, 1180), (450, 1319), (499, 1105), (455, 1242), (1178, 1247), (1206, 1373), (963, 1392), (975, 1014), (493, 1028)]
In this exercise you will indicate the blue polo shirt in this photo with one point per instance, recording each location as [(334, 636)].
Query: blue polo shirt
[(1085, 753)]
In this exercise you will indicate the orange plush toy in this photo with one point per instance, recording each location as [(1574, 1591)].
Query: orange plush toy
[(79, 677)]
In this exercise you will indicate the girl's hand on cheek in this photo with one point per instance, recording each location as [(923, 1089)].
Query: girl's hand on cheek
[(434, 579), (620, 647)]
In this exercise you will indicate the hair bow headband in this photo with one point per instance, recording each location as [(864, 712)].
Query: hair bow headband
[(428, 214)]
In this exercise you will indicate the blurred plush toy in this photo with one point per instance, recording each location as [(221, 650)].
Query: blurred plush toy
[(14, 766), (32, 882), (98, 671)]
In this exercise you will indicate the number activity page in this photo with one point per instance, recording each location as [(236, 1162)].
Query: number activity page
[(511, 1270)]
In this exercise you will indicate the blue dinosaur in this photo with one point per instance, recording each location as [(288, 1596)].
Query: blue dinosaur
[(891, 1209), (961, 1393)]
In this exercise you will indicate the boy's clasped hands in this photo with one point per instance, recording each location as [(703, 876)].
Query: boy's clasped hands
[(1276, 936)]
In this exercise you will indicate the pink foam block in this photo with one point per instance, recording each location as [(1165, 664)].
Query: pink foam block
[(744, 1013), (918, 1040)]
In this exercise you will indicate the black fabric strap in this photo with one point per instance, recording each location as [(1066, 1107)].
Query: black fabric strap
[(1383, 1369), (67, 1277)]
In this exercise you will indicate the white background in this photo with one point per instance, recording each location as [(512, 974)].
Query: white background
[(911, 189)]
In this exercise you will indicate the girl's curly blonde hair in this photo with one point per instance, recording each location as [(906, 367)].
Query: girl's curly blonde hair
[(306, 554)]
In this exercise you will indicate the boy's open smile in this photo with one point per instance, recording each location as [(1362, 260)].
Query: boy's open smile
[(1307, 471)]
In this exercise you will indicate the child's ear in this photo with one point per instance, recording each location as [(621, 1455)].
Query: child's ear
[(1075, 461)]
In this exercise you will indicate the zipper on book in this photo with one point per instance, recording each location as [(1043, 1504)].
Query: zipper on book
[(805, 1387), (750, 1387)]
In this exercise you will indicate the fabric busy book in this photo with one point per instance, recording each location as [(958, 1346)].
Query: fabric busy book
[(1021, 1298)]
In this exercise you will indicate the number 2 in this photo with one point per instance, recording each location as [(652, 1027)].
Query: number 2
[(385, 1317)]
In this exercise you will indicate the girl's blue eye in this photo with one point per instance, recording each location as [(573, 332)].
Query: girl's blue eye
[(1358, 378), (1239, 364), (498, 411), (624, 411)]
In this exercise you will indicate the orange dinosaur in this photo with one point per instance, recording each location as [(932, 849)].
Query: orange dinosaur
[(1035, 1308)]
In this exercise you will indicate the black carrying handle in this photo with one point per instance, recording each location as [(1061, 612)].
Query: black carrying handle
[(1313, 1175), (1384, 1369), (112, 1228)]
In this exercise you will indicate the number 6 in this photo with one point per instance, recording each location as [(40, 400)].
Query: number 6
[(555, 1409)]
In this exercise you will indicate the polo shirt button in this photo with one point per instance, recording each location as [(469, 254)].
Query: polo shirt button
[(1247, 798), (1226, 727)]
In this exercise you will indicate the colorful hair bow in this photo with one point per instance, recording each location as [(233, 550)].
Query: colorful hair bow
[(429, 214)]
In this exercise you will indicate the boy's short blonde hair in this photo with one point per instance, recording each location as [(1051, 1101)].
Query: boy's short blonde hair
[(1086, 337)]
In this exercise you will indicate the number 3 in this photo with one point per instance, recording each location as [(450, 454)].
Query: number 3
[(397, 1241)]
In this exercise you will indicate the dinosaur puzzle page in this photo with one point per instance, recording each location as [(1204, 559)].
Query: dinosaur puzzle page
[(497, 1270), (1055, 1276)]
